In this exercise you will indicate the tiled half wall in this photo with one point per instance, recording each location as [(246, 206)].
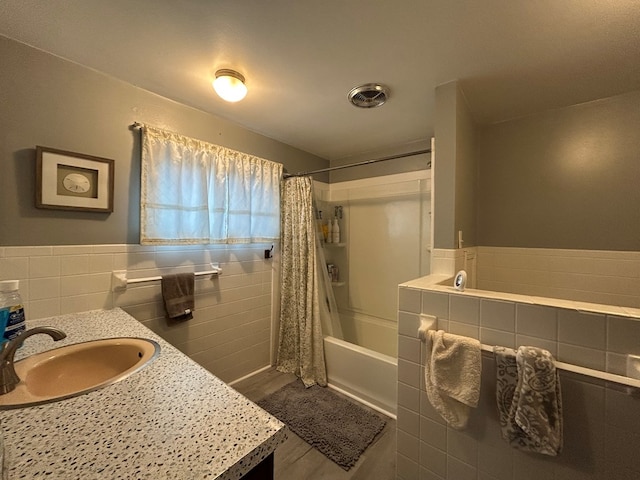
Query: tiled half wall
[(231, 328), (597, 276), (601, 421)]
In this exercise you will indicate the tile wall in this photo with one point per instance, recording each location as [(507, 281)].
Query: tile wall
[(601, 421), (607, 277), (231, 329)]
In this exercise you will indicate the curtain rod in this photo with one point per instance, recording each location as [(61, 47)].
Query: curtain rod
[(366, 162), (136, 125)]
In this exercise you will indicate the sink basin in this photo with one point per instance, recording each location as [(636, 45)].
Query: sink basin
[(77, 369)]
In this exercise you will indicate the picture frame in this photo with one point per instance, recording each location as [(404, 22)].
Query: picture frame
[(73, 181)]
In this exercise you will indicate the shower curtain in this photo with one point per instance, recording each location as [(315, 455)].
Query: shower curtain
[(300, 346)]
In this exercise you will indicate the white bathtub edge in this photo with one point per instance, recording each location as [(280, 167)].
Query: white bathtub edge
[(349, 370)]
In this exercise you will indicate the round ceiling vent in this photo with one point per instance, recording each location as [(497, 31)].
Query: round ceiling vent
[(369, 95)]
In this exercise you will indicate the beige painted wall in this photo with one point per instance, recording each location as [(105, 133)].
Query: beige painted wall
[(566, 178), (64, 259), (466, 179), (55, 103), (455, 169), (444, 168)]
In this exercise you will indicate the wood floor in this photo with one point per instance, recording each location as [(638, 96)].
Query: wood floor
[(297, 460)]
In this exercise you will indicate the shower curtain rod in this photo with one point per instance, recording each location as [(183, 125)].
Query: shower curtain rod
[(366, 162)]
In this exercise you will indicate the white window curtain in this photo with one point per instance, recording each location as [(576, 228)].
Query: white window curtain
[(193, 192)]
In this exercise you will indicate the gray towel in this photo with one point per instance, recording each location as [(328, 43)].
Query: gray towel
[(529, 399), (177, 292), (452, 375)]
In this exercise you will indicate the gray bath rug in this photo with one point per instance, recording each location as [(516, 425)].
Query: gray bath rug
[(337, 427)]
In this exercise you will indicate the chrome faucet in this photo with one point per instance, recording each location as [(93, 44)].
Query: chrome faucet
[(8, 376)]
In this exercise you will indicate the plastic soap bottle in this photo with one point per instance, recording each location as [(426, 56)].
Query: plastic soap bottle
[(11, 309), (335, 231), (329, 238), (321, 227)]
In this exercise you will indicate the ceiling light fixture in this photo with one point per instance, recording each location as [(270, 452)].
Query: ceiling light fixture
[(229, 85)]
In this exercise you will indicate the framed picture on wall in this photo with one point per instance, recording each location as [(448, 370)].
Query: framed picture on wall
[(73, 181)]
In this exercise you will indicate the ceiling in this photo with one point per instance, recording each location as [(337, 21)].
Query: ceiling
[(302, 57)]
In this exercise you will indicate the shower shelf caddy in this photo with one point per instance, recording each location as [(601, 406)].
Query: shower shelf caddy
[(336, 245)]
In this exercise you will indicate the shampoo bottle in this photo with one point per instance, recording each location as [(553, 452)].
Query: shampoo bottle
[(335, 231), (322, 228)]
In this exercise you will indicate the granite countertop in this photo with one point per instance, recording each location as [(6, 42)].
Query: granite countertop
[(172, 419)]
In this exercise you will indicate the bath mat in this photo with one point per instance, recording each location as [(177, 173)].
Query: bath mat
[(337, 427)]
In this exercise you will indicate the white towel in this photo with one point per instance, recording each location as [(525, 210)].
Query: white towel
[(529, 400), (452, 375)]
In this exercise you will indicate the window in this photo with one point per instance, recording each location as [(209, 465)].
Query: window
[(193, 192)]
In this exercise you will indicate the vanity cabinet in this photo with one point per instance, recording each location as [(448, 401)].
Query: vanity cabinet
[(262, 471), (172, 419)]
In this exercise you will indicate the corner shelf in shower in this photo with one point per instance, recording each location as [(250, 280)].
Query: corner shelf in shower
[(338, 284), (335, 244)]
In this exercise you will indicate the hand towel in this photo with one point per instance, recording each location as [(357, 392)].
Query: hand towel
[(177, 292), (529, 399), (452, 375), (506, 382)]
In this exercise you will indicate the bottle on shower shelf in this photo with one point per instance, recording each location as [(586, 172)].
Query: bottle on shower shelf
[(335, 231), (321, 228), (329, 235)]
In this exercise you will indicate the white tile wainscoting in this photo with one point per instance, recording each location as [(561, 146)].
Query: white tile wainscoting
[(601, 420), (231, 329), (596, 276)]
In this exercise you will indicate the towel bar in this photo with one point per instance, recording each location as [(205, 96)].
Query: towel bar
[(609, 377), (606, 376), (119, 280)]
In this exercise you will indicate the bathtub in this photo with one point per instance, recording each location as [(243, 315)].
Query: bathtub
[(374, 333), (365, 375), (362, 358)]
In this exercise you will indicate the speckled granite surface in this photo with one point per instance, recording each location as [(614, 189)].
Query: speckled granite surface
[(172, 419)]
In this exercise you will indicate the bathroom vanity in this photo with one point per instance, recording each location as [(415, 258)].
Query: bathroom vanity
[(172, 419)]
